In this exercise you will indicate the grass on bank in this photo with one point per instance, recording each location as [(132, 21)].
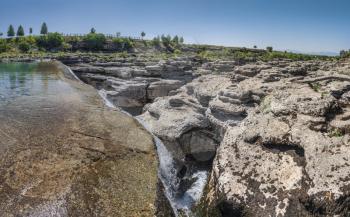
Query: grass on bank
[(162, 47)]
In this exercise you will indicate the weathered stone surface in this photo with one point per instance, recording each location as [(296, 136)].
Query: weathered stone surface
[(289, 156), (64, 153), (283, 126), (162, 88)]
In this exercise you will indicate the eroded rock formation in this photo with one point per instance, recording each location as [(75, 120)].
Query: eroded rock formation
[(273, 135)]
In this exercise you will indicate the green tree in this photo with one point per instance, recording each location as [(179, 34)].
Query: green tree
[(50, 41), (143, 34), (176, 39), (255, 47), (93, 30), (156, 41), (1, 34), (269, 49), (44, 29), (181, 40), (30, 30), (20, 31), (11, 31), (94, 41)]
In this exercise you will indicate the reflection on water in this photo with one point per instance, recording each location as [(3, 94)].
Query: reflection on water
[(28, 79)]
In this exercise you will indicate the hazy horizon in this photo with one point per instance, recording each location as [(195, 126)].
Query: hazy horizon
[(304, 26)]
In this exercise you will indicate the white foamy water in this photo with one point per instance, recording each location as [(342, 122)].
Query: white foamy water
[(167, 172)]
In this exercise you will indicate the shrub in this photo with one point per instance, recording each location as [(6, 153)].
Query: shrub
[(24, 46), (123, 43), (156, 41), (50, 41), (94, 41), (3, 46)]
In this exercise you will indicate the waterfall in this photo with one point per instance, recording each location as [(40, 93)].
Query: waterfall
[(167, 172)]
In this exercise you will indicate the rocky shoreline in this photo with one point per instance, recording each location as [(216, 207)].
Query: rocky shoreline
[(273, 137)]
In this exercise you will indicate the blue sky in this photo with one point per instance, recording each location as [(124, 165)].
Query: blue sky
[(303, 25)]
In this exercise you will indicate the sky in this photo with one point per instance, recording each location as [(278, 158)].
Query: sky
[(298, 25)]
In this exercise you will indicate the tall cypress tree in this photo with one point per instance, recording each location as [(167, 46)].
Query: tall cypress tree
[(20, 31), (44, 29), (30, 30), (11, 31)]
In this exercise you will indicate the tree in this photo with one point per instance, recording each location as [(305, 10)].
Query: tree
[(255, 47), (156, 41), (94, 41), (93, 30), (176, 39), (181, 40), (44, 29), (269, 49), (50, 41), (143, 34), (20, 31), (1, 34), (11, 31), (30, 30)]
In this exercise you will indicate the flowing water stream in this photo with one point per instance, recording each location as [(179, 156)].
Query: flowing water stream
[(168, 173)]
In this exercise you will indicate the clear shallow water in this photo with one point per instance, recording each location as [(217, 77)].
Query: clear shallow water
[(30, 79), (39, 86)]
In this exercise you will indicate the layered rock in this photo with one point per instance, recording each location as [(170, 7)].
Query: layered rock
[(131, 83), (281, 129), (285, 137)]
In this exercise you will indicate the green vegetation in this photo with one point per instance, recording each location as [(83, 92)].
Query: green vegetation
[(143, 34), (316, 87), (245, 54), (44, 29), (169, 43), (94, 41), (50, 41), (20, 31), (345, 54), (123, 44), (11, 31), (336, 133), (164, 46)]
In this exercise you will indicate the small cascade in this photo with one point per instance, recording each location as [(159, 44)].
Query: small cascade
[(168, 173)]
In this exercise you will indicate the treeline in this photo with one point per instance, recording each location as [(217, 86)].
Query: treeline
[(170, 43), (345, 54), (20, 31), (57, 42), (92, 41)]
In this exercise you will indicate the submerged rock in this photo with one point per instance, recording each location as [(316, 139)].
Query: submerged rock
[(64, 153)]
